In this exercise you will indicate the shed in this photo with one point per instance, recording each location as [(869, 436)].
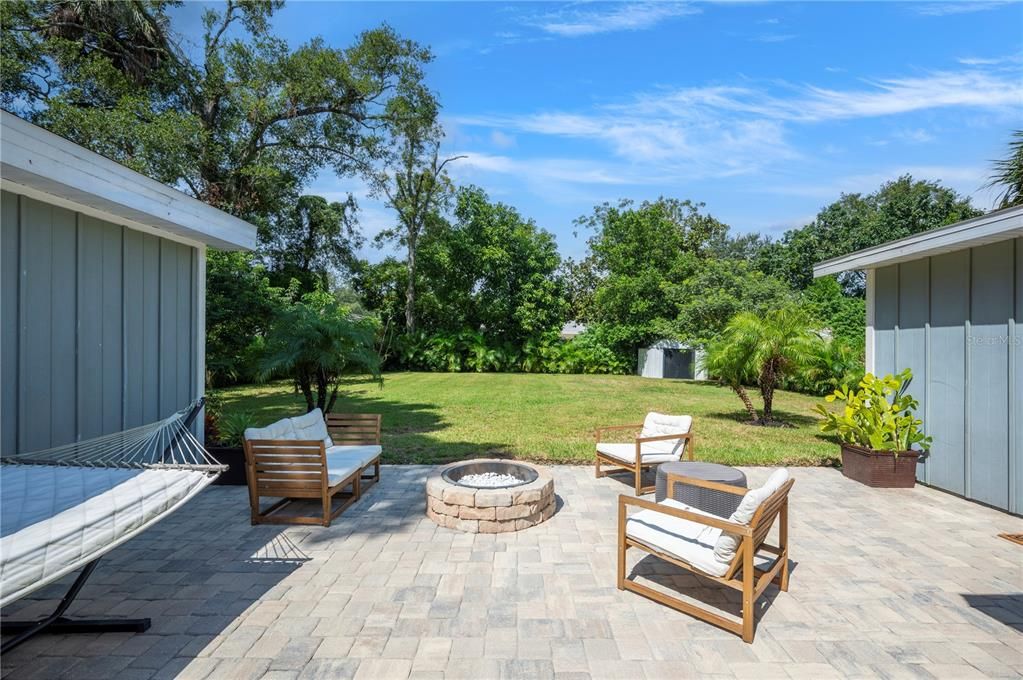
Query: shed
[(671, 359), (103, 273), (946, 303)]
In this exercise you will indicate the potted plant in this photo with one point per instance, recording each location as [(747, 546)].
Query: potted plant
[(226, 444), (878, 430)]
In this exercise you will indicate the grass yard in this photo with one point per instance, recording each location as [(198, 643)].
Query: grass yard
[(441, 417)]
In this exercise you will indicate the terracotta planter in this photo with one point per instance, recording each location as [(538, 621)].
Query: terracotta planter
[(880, 468), (233, 457)]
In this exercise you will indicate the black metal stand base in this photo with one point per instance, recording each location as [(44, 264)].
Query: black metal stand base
[(57, 623)]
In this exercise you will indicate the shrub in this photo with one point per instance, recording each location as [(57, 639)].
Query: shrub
[(877, 415)]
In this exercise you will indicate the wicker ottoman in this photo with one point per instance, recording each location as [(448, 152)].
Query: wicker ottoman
[(715, 502)]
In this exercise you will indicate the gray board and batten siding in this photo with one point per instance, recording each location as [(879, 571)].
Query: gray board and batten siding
[(953, 318), (99, 325)]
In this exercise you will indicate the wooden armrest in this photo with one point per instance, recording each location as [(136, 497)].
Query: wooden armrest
[(601, 430), (665, 437), (723, 524), (675, 478)]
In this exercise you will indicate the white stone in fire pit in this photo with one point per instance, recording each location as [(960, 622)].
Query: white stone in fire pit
[(491, 480), (490, 510)]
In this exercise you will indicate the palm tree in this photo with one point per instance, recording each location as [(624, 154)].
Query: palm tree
[(1009, 173), (761, 350)]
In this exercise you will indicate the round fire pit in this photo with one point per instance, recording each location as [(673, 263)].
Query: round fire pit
[(490, 496)]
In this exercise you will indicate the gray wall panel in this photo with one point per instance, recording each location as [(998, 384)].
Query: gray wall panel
[(911, 345), (63, 325), (886, 318), (34, 357), (92, 313), (8, 321), (946, 386), (1016, 391), (952, 319), (991, 305)]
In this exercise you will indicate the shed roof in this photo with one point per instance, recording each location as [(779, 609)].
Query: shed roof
[(38, 163), (998, 225)]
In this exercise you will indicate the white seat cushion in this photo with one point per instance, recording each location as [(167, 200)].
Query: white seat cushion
[(357, 455), (282, 429), (728, 544), (658, 425), (627, 453), (339, 473), (688, 541), (311, 427)]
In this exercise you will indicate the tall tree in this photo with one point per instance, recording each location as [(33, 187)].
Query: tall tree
[(416, 187), (899, 208), (1008, 173), (243, 127), (312, 242)]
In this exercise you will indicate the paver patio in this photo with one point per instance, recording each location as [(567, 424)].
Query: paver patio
[(885, 583)]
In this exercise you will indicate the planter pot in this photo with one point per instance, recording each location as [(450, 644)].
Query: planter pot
[(235, 459), (881, 469)]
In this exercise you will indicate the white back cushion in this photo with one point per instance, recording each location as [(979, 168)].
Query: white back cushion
[(282, 429), (728, 544), (311, 427), (658, 424)]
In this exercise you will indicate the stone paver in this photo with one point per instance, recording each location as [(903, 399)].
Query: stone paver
[(885, 583)]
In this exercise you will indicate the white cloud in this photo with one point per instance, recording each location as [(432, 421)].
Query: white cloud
[(773, 37), (574, 23), (940, 9), (968, 180), (502, 140), (970, 88)]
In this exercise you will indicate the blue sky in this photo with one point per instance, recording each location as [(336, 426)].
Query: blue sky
[(764, 111)]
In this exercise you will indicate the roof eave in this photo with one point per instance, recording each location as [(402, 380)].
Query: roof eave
[(999, 225)]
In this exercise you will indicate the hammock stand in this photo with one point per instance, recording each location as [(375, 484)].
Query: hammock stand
[(178, 451)]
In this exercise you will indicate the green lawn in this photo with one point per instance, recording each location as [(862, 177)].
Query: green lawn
[(440, 417)]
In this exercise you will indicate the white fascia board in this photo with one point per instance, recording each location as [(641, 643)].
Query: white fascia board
[(43, 162), (996, 226)]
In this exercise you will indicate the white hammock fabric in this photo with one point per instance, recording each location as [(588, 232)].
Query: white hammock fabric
[(62, 508)]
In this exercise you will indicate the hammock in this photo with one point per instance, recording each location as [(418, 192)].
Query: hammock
[(61, 509)]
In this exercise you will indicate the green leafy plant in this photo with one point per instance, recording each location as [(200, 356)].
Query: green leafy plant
[(231, 427), (878, 414), (317, 342)]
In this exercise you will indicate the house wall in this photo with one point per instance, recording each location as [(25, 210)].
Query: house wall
[(951, 318), (99, 325)]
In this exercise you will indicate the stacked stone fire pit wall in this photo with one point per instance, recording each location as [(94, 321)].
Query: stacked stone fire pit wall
[(490, 511)]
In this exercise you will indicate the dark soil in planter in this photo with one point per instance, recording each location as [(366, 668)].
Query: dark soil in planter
[(880, 469), (233, 457)]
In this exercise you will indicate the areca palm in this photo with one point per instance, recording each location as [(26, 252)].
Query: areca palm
[(761, 350)]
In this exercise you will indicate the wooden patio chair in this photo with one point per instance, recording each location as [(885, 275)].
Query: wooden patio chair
[(709, 546), (292, 469), (358, 430), (658, 439)]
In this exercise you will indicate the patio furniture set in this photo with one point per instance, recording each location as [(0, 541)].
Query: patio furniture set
[(703, 520)]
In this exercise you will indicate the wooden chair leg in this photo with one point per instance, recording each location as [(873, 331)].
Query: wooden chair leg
[(596, 472), (327, 503), (639, 479), (783, 545), (622, 548), (748, 583)]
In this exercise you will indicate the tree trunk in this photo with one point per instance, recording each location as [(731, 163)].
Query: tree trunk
[(410, 287), (333, 399), (305, 384), (746, 401), (768, 381), (322, 388)]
